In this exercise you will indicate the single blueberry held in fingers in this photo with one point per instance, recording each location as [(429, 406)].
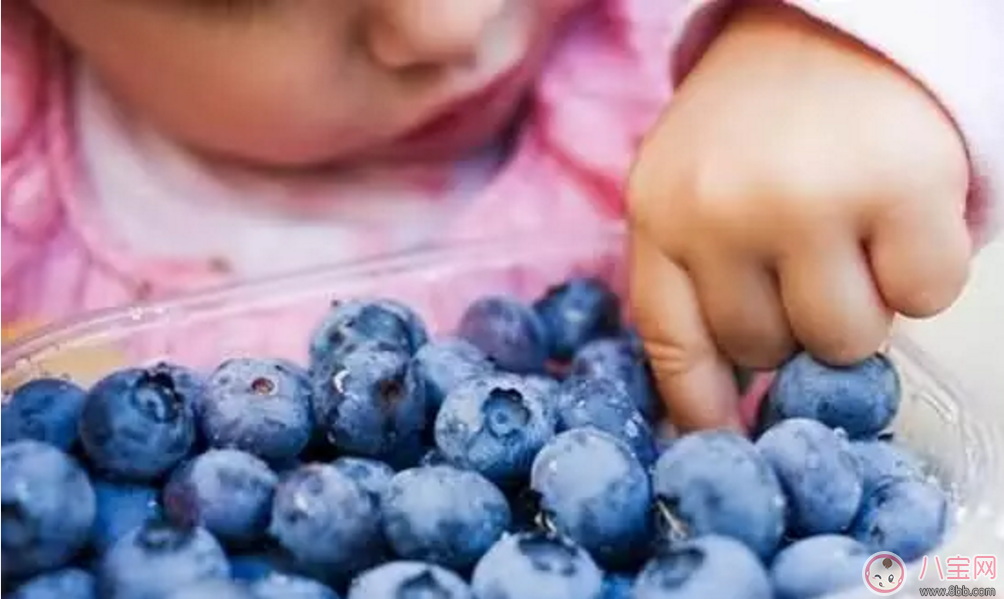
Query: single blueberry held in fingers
[(121, 507), (259, 406), (861, 399), (715, 482), (906, 517), (882, 461), (508, 331), (284, 586), (443, 515), (604, 404), (227, 491), (372, 475), (46, 410), (154, 560), (494, 425), (710, 566), (212, 589), (327, 521), (595, 491), (366, 322), (442, 365), (70, 583), (577, 312), (539, 565), (407, 580), (138, 423), (622, 360), (818, 566), (48, 508), (369, 402), (820, 476)]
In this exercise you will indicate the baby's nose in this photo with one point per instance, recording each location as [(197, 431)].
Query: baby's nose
[(408, 33)]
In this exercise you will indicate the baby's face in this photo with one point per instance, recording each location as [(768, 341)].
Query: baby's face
[(295, 83)]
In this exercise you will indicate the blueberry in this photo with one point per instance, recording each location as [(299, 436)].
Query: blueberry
[(409, 580), (494, 425), (508, 331), (539, 565), (154, 560), (442, 365), (710, 566), (121, 507), (212, 589), (715, 482), (139, 423), (251, 567), (363, 322), (818, 566), (882, 461), (577, 312), (70, 583), (605, 404), (369, 402), (326, 520), (373, 476), (227, 491), (594, 490), (861, 399), (283, 586), (46, 410), (258, 406), (906, 517), (443, 515), (48, 508), (617, 586), (619, 359), (433, 457), (818, 472)]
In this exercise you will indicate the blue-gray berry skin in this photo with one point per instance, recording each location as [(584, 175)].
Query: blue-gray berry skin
[(260, 406), (48, 508), (442, 365), (121, 507), (604, 403), (138, 423), (227, 491), (576, 312), (820, 476), (369, 402), (709, 566), (71, 583), (213, 589), (716, 482), (45, 409), (157, 559), (861, 399), (906, 517), (508, 331), (495, 425), (818, 566), (284, 586), (621, 359), (443, 515), (882, 461), (327, 521), (251, 567), (352, 323), (407, 580), (617, 586), (539, 565), (373, 476), (595, 491)]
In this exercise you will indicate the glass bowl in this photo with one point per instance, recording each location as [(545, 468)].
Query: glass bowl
[(959, 434)]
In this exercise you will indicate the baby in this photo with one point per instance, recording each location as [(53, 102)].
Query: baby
[(823, 165)]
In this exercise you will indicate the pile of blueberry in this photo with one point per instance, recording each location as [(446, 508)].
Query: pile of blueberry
[(518, 459)]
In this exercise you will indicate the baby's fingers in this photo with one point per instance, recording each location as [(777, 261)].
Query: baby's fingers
[(695, 380)]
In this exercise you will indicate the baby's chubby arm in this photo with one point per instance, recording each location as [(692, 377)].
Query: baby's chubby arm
[(803, 188)]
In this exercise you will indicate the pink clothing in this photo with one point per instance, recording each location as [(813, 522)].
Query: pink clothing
[(601, 91)]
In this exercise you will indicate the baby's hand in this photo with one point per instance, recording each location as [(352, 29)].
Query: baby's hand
[(799, 192)]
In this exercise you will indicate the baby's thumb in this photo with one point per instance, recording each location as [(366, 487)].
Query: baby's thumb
[(695, 381)]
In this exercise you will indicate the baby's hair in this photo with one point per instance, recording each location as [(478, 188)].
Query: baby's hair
[(887, 563)]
